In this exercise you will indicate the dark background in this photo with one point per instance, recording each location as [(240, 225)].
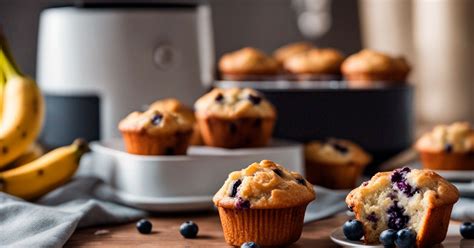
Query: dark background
[(266, 24)]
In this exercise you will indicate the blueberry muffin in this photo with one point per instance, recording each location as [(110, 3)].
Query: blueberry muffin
[(175, 106), (448, 147), (315, 63), (368, 66), (417, 199), (285, 52), (335, 163), (235, 118), (155, 132), (263, 203), (248, 64)]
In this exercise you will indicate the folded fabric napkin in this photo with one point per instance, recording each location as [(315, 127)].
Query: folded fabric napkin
[(51, 221)]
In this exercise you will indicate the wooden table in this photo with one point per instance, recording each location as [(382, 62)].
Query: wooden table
[(166, 234)]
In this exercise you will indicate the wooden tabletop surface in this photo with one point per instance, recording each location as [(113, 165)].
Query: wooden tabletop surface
[(166, 234)]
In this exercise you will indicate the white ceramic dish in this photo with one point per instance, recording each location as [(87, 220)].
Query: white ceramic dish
[(178, 183)]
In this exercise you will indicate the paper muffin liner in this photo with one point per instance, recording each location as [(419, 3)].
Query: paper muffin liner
[(447, 161), (141, 143), (266, 227), (434, 227), (236, 133), (333, 176)]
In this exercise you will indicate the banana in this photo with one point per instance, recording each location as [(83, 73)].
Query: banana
[(37, 178), (22, 115), (34, 152)]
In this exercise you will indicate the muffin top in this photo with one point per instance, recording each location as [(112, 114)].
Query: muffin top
[(248, 61), (264, 185), (155, 122), (316, 60), (457, 137), (173, 105), (406, 183), (285, 52), (336, 151), (369, 61), (234, 103)]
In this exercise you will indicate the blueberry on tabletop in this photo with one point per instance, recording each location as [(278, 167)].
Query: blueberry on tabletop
[(144, 226), (467, 230), (249, 245), (353, 230), (189, 229), (387, 238), (406, 238)]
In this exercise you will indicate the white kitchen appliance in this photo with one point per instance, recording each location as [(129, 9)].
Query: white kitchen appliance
[(100, 60)]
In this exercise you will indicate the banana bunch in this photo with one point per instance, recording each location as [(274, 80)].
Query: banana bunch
[(24, 171)]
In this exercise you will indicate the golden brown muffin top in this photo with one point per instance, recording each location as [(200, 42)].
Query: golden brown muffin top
[(234, 103), (287, 51), (336, 151), (316, 60), (370, 61), (264, 185), (154, 122), (457, 137), (406, 183), (248, 61), (174, 105)]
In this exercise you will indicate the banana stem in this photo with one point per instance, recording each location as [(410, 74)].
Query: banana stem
[(8, 69)]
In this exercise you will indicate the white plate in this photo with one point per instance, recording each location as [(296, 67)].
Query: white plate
[(178, 183), (338, 237), (455, 239)]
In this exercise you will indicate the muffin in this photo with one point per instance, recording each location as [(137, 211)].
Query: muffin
[(174, 105), (368, 66), (335, 164), (156, 132), (247, 64), (263, 203), (285, 52), (448, 147), (235, 118), (315, 63), (417, 199)]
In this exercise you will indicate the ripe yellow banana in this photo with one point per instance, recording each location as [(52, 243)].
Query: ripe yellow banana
[(22, 115), (34, 152), (37, 178)]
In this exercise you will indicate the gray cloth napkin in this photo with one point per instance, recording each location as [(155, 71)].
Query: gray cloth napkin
[(83, 202)]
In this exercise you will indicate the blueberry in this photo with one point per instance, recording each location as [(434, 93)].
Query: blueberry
[(156, 119), (144, 226), (189, 229), (396, 219), (372, 217), (340, 148), (353, 230), (387, 238), (255, 99), (242, 204), (448, 148), (406, 238), (249, 245), (235, 187), (301, 181), (219, 98), (467, 230), (278, 172)]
